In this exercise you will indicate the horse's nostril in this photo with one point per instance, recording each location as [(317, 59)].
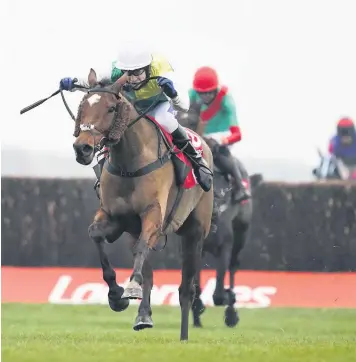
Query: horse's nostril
[(83, 149), (87, 149)]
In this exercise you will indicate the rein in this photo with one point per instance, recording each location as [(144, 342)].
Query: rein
[(105, 141), (89, 90)]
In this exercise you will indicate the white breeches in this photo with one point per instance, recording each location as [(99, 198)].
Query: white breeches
[(164, 114)]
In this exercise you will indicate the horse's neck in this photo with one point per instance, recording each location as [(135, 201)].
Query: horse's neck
[(189, 119), (137, 147)]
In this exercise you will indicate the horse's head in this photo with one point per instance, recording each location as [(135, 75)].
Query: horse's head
[(189, 119), (102, 118)]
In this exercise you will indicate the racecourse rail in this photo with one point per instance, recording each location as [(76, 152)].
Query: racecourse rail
[(301, 249)]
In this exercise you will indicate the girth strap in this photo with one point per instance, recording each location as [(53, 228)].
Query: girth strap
[(118, 171)]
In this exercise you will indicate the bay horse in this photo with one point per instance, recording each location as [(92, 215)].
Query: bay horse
[(142, 193), (233, 223)]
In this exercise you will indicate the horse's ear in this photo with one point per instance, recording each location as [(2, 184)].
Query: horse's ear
[(92, 78), (119, 83)]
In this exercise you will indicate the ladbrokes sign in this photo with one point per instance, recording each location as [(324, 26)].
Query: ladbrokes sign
[(164, 294), (254, 289)]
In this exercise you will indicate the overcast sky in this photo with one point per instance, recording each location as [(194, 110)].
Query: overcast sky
[(290, 64)]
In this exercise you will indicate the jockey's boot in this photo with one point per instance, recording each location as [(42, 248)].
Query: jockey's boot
[(202, 172), (225, 161)]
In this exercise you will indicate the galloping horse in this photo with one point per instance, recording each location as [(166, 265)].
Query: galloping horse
[(333, 168), (233, 224), (144, 191)]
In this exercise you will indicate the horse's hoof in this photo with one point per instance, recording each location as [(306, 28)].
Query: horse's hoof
[(116, 303), (133, 291), (197, 324), (231, 317), (143, 322), (219, 300)]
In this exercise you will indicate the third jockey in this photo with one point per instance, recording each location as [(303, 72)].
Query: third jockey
[(343, 144), (139, 63), (218, 116)]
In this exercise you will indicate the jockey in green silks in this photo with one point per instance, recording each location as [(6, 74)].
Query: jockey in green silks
[(139, 63), (219, 119)]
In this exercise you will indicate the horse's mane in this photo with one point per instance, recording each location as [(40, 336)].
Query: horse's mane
[(122, 118)]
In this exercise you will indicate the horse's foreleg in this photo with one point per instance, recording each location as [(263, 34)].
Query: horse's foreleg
[(241, 231), (232, 272), (144, 317), (100, 231), (151, 224), (240, 237), (231, 314), (222, 264), (194, 230)]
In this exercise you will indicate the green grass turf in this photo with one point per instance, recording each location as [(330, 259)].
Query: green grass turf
[(95, 333)]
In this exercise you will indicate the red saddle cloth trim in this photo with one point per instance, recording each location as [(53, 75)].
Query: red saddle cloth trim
[(190, 180)]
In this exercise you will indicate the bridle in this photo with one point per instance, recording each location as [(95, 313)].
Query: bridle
[(88, 127), (91, 128)]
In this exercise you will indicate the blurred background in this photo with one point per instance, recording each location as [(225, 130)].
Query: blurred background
[(289, 64)]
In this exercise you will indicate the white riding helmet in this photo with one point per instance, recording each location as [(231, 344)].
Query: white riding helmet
[(133, 55)]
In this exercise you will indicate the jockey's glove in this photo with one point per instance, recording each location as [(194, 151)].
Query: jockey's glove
[(167, 86), (67, 83)]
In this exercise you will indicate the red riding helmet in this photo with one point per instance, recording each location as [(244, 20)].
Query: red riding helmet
[(345, 127), (345, 123), (205, 80)]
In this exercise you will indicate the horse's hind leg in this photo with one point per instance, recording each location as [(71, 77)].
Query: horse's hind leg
[(191, 250), (198, 307), (144, 317), (193, 232), (99, 231)]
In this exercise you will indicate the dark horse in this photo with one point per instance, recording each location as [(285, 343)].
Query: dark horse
[(140, 195), (233, 224)]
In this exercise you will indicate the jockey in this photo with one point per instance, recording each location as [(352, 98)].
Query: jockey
[(139, 63), (218, 116), (343, 144)]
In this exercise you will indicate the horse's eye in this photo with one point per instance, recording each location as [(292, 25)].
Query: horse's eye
[(112, 109)]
